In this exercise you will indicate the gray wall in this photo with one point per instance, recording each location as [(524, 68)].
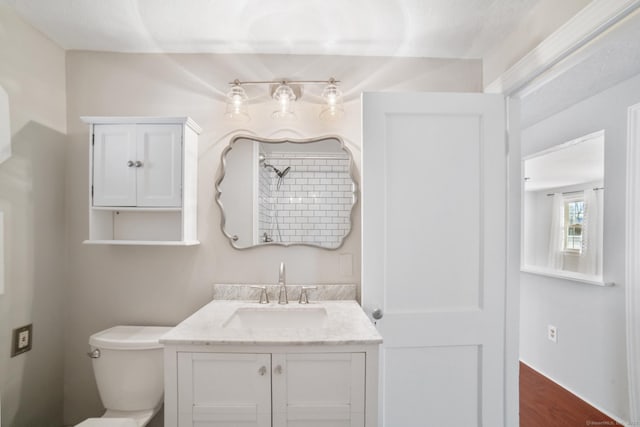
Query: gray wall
[(32, 197), (590, 356)]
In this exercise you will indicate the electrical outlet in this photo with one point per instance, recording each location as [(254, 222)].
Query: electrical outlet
[(552, 333), (22, 340)]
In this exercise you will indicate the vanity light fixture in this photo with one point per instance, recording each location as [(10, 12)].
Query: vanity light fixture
[(285, 93), (237, 100), (284, 96), (333, 109)]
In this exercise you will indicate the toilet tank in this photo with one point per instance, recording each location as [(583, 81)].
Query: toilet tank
[(129, 370)]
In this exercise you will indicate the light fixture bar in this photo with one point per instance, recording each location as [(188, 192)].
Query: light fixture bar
[(262, 82), (285, 93)]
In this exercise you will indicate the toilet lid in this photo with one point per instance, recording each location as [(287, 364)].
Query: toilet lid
[(108, 422), (129, 338)]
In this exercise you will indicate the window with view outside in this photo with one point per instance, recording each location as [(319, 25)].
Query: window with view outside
[(574, 217)]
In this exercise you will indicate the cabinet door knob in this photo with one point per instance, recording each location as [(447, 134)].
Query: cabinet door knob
[(262, 371), (130, 163), (377, 314), (277, 370), (138, 164)]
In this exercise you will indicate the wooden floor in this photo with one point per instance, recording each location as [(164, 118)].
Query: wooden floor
[(544, 403)]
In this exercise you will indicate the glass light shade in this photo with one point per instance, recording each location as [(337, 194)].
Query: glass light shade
[(237, 101), (333, 108), (284, 97)]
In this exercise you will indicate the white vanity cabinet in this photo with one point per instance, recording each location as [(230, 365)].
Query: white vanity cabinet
[(143, 180), (309, 373), (283, 388)]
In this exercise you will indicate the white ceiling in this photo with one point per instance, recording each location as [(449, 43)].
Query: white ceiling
[(576, 162), (418, 28)]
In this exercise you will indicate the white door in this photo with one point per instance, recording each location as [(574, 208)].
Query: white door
[(159, 180), (114, 171), (224, 390), (433, 254), (319, 390)]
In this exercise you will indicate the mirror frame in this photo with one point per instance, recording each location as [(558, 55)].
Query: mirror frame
[(222, 172)]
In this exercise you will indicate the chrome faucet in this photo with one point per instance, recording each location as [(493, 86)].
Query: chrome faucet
[(282, 282)]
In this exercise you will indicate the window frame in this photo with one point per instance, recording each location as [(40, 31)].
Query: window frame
[(569, 199)]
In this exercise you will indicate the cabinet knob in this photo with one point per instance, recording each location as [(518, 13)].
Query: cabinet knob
[(130, 163), (262, 371), (377, 314), (277, 370), (138, 164)]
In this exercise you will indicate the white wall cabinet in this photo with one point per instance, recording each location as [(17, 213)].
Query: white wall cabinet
[(143, 180), (278, 389)]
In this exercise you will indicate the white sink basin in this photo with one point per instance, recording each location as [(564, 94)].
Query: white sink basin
[(277, 318)]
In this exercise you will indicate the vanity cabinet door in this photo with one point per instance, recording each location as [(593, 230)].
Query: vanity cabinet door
[(224, 390), (318, 389)]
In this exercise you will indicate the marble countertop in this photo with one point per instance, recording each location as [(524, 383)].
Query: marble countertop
[(345, 324)]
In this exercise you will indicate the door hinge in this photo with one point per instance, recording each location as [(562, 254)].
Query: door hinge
[(92, 191), (93, 139)]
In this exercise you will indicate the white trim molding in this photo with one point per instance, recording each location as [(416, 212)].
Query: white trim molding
[(566, 275), (593, 20), (632, 272)]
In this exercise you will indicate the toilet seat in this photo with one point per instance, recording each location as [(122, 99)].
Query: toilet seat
[(108, 422)]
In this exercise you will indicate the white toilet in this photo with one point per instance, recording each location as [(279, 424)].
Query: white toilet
[(128, 363)]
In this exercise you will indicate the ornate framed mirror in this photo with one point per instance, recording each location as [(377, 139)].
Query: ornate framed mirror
[(286, 192)]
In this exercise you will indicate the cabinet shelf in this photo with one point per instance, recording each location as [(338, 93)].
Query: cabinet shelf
[(133, 209), (143, 242)]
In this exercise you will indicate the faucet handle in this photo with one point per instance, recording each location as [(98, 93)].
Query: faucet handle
[(282, 295), (264, 296), (304, 297)]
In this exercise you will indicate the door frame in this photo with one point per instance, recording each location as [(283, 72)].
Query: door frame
[(549, 58), (552, 57), (632, 268)]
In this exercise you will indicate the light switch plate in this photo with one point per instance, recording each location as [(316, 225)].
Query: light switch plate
[(22, 340)]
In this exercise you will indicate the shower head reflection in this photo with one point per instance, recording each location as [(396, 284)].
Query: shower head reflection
[(280, 173)]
